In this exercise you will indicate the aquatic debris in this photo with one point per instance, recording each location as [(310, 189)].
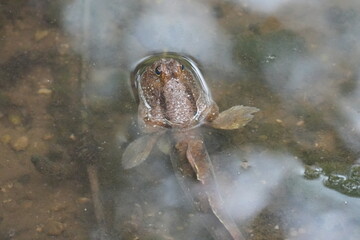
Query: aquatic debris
[(312, 172), (347, 184), (20, 144)]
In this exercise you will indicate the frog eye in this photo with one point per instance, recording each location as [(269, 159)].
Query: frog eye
[(182, 67), (157, 71)]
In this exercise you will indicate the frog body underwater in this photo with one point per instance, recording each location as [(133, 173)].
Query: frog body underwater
[(174, 96)]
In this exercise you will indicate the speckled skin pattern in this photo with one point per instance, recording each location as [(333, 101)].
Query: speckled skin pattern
[(171, 98)]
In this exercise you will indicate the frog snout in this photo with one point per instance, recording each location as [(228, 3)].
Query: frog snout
[(166, 77)]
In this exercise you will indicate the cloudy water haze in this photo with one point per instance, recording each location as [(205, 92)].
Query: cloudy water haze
[(297, 61), (292, 173)]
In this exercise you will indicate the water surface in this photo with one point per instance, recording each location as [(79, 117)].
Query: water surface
[(292, 173)]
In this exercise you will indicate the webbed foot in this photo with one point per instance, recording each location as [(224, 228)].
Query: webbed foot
[(138, 150), (234, 117)]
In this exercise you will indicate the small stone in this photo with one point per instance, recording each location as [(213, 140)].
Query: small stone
[(41, 34), (54, 228), (244, 165), (20, 144), (83, 200), (279, 121), (6, 138), (72, 137), (44, 91), (39, 228), (15, 119), (300, 123), (312, 172), (48, 136), (11, 233)]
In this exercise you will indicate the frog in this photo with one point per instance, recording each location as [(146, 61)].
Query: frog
[(173, 97)]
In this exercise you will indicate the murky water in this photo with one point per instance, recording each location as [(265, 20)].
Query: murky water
[(292, 173)]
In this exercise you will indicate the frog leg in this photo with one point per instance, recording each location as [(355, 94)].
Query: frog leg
[(138, 150), (151, 120), (234, 117), (200, 162), (195, 192)]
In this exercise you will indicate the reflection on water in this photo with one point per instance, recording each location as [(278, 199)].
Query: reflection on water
[(295, 60), (176, 26)]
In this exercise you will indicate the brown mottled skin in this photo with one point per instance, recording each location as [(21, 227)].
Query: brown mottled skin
[(171, 98)]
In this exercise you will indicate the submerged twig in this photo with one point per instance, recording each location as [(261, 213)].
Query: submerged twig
[(95, 191), (89, 156)]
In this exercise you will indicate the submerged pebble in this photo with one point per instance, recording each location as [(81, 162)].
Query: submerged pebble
[(15, 119), (346, 184), (83, 200), (335, 180), (44, 91), (54, 228), (351, 187), (48, 136), (355, 173), (41, 34), (312, 172), (20, 144)]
